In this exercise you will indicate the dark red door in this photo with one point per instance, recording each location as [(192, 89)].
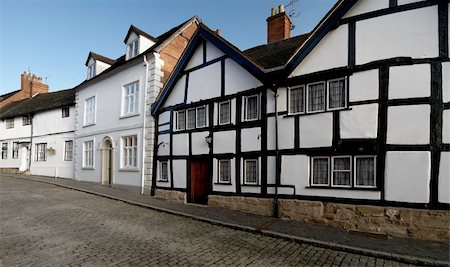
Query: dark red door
[(199, 182)]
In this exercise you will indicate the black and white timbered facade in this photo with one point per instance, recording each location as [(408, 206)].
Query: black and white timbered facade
[(358, 112)]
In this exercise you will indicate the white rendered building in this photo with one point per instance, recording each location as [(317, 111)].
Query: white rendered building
[(113, 105)]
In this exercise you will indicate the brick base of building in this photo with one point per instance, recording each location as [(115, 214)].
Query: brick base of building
[(171, 195), (394, 221)]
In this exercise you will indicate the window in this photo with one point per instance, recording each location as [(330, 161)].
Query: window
[(224, 112), (4, 150), (201, 117), (41, 152), (164, 174), (224, 171), (68, 150), (91, 71), (129, 152), (336, 94), (89, 111), (251, 108), (88, 154), (316, 97), (15, 150), (341, 171), (133, 48), (297, 100), (190, 118), (26, 120), (365, 171), (65, 112), (251, 172), (181, 120), (9, 123), (320, 171), (131, 98)]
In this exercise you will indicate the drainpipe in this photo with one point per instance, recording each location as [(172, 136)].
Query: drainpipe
[(30, 158), (277, 167), (144, 124)]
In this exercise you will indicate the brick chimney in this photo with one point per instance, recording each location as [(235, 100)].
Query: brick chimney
[(31, 84), (278, 25)]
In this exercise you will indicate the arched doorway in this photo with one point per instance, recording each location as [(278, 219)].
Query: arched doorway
[(107, 161)]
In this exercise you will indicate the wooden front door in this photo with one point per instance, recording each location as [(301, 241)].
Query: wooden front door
[(199, 187)]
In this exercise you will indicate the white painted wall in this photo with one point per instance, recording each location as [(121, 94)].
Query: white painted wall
[(51, 121), (446, 81), (199, 145), (144, 43), (212, 52), (366, 6), (176, 96), (446, 126), (364, 85), (359, 122), (224, 142), (179, 173), (407, 176), (237, 79), (180, 144), (251, 139), (409, 81), (444, 178), (316, 130), (408, 124), (330, 52), (204, 83), (100, 67), (19, 131), (411, 33), (196, 59), (286, 130), (404, 2), (164, 144)]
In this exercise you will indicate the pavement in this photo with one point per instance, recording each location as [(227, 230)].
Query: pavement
[(396, 249)]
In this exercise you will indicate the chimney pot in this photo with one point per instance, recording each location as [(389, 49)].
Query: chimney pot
[(273, 11), (281, 8)]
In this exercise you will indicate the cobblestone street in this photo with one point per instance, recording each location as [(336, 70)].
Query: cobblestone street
[(43, 224)]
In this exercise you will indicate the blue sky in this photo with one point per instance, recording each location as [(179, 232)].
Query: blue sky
[(52, 38)]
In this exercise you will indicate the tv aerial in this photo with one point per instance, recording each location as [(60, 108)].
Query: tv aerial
[(292, 12)]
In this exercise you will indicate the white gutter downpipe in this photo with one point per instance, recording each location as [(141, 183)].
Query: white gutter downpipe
[(144, 124)]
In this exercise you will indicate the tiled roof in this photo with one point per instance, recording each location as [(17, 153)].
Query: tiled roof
[(275, 54), (96, 56), (139, 32), (39, 103), (7, 95)]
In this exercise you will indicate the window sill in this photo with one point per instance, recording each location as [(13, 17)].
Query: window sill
[(162, 181), (129, 115), (87, 125), (129, 170), (223, 183), (251, 185), (315, 112), (87, 168), (343, 188)]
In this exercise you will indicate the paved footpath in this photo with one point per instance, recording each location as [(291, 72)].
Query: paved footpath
[(42, 224)]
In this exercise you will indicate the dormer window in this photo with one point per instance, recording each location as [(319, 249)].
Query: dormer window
[(91, 71), (133, 48)]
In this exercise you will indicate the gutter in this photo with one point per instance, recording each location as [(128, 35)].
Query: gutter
[(143, 125)]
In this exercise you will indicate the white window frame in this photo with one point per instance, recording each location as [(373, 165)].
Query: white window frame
[(91, 71), (229, 112), (245, 172), (41, 155), (328, 94), (307, 97), (133, 48), (304, 100), (5, 151), (187, 118), (26, 120), (220, 178), (196, 117), (86, 155), (328, 171), (161, 177), (374, 171), (86, 109), (9, 123), (135, 96), (257, 107), (15, 150), (178, 119), (332, 171), (127, 152), (68, 153)]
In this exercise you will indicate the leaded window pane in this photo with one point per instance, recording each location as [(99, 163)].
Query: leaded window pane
[(201, 117), (164, 171), (342, 171), (336, 91), (224, 171), (251, 172), (296, 100), (316, 97), (15, 150), (251, 111), (181, 120), (224, 112), (365, 171), (320, 171), (68, 150), (191, 119)]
